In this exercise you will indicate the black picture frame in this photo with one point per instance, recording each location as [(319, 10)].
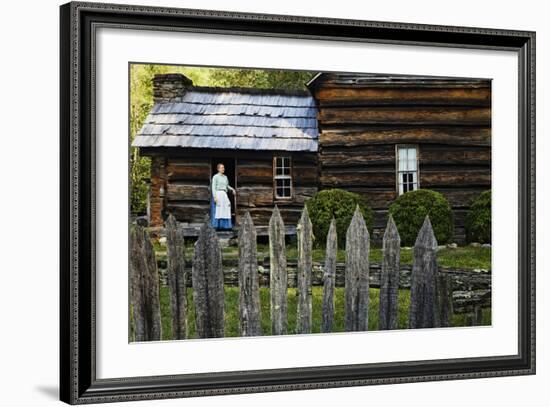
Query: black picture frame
[(78, 382)]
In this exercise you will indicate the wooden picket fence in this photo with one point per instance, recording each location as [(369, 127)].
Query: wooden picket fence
[(430, 298)]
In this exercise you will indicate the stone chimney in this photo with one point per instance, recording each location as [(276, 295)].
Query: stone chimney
[(170, 87)]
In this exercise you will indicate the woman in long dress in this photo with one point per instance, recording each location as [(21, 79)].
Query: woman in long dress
[(220, 210)]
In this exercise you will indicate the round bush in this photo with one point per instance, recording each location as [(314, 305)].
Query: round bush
[(478, 219), (410, 209), (340, 204)]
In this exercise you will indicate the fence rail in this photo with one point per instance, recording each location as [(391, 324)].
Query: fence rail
[(436, 293)]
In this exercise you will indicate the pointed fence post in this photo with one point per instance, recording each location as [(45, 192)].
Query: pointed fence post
[(176, 276), (445, 303), (424, 308), (278, 274), (389, 277), (207, 276), (249, 291), (357, 274), (305, 266), (329, 278), (145, 286)]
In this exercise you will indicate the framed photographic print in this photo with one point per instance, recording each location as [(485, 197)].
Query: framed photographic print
[(256, 203)]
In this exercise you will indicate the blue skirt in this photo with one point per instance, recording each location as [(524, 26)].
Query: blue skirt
[(219, 224)]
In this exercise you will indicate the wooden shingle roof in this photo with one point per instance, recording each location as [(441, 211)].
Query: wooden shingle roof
[(357, 80), (233, 118)]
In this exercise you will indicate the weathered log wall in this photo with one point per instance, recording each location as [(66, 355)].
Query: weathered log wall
[(361, 120), (158, 184), (185, 176), (255, 188), (188, 188)]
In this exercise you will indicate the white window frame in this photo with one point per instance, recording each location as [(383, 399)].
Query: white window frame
[(278, 177), (398, 182)]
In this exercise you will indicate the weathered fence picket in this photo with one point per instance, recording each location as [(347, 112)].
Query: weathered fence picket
[(208, 290), (389, 277), (445, 299), (357, 274), (424, 310), (434, 294), (329, 278), (304, 231), (249, 289), (176, 276), (278, 275), (145, 287)]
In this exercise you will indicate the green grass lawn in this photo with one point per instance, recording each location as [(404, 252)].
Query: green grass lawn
[(466, 257), (232, 311), (463, 257)]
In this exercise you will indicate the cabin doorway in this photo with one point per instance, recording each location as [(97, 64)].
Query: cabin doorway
[(230, 172)]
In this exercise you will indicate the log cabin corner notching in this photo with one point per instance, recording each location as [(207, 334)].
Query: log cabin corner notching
[(376, 135)]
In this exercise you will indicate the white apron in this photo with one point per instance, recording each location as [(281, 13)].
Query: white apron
[(223, 206)]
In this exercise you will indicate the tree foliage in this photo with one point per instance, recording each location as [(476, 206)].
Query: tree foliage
[(478, 219), (410, 209), (337, 204), (141, 102), (261, 78)]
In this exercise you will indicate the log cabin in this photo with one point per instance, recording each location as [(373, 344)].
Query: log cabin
[(266, 139), (383, 135), (377, 135)]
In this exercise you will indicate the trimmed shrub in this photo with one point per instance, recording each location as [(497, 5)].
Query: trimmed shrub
[(478, 219), (340, 204), (410, 209)]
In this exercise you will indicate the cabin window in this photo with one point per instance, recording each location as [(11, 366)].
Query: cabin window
[(407, 169), (282, 175)]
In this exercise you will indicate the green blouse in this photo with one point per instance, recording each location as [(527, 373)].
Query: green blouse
[(220, 183)]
